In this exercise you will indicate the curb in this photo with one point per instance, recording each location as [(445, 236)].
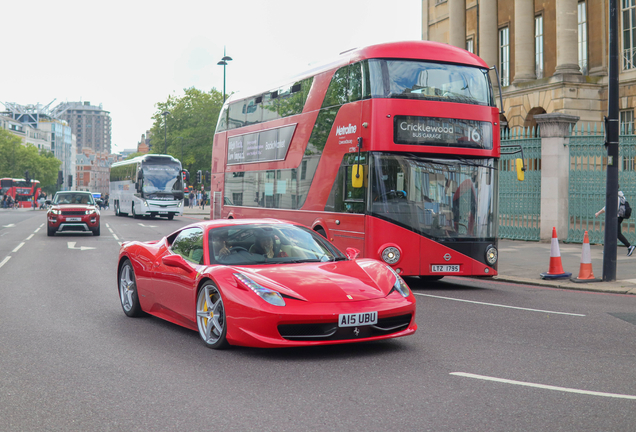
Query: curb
[(617, 287)]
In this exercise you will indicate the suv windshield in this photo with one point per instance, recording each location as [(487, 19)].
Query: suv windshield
[(74, 198), (439, 198), (269, 244)]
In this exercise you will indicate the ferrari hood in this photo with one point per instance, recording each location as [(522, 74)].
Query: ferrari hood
[(326, 282)]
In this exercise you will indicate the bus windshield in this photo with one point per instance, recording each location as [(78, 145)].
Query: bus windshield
[(439, 198), (412, 79), (161, 180)]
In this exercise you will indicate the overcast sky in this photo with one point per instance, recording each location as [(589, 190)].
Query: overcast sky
[(129, 55)]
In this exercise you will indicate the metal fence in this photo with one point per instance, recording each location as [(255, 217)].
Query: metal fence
[(520, 202), (587, 184)]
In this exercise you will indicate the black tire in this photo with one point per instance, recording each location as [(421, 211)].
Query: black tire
[(117, 212), (96, 231), (211, 317), (321, 231), (170, 216), (132, 211), (50, 231), (127, 285)]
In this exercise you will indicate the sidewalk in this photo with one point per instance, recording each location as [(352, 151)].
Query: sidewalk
[(523, 262)]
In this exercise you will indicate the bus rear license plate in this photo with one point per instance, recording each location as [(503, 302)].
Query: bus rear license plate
[(445, 268), (163, 212), (357, 319), (73, 219)]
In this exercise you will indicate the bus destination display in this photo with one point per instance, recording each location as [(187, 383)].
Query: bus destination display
[(264, 146), (442, 132)]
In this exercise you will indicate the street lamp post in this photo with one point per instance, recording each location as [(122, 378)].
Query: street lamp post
[(223, 63), (165, 131)]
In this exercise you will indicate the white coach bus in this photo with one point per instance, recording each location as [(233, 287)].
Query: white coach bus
[(149, 185)]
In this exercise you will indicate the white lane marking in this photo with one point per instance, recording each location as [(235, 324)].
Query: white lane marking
[(9, 226), (147, 226), (121, 243), (543, 386), (30, 237), (499, 305), (116, 238), (4, 261), (17, 248), (37, 229), (71, 245), (107, 226)]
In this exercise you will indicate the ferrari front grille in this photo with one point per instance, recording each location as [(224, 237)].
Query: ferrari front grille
[(331, 331)]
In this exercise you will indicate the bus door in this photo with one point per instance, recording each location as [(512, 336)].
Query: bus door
[(348, 202)]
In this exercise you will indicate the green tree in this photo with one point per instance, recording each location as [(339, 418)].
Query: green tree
[(191, 126), (15, 159)]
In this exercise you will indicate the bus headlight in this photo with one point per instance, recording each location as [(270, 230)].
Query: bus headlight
[(146, 203), (491, 255), (391, 255)]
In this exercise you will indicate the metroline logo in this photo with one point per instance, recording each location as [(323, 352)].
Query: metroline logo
[(346, 130)]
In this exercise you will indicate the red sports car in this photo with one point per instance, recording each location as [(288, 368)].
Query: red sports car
[(263, 283)]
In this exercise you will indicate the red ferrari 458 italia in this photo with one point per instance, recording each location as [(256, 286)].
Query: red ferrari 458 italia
[(263, 283)]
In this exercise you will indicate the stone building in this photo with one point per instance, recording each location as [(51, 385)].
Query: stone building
[(552, 55), (93, 171)]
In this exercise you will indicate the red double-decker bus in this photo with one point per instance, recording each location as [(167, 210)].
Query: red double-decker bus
[(391, 149), (23, 193)]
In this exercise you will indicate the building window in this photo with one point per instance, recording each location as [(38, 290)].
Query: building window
[(538, 45), (629, 33), (627, 122), (582, 37), (504, 55), (470, 45)]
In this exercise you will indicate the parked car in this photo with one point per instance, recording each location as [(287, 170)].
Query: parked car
[(263, 283), (72, 211)]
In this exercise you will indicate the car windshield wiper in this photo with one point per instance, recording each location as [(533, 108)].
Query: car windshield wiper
[(306, 260)]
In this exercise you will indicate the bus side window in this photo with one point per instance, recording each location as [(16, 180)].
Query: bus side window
[(236, 119), (355, 82), (337, 91)]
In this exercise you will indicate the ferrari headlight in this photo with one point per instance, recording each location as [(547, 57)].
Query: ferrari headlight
[(399, 285), (270, 296), (491, 255)]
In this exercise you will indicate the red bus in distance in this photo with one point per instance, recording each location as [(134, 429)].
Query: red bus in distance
[(20, 191), (391, 149)]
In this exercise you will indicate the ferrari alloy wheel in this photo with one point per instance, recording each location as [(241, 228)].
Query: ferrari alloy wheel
[(128, 290), (211, 319)]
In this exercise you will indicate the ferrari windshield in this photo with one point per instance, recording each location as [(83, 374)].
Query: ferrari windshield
[(439, 198), (162, 179), (269, 244), (73, 198)]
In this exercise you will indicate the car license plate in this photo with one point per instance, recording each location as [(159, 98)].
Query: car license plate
[(73, 219), (357, 319), (448, 268)]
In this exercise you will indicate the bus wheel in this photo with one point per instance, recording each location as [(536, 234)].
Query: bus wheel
[(431, 278), (170, 216), (134, 215), (321, 231)]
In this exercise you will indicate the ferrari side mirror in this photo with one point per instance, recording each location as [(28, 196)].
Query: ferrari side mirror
[(352, 253), (176, 261)]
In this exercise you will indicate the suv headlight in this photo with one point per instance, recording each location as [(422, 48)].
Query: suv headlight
[(270, 296), (399, 285)]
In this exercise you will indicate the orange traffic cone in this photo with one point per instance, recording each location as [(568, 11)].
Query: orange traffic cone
[(556, 268), (585, 273)]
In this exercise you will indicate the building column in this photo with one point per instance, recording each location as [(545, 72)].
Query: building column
[(524, 41), (555, 172), (488, 28), (424, 19), (457, 23), (567, 38)]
